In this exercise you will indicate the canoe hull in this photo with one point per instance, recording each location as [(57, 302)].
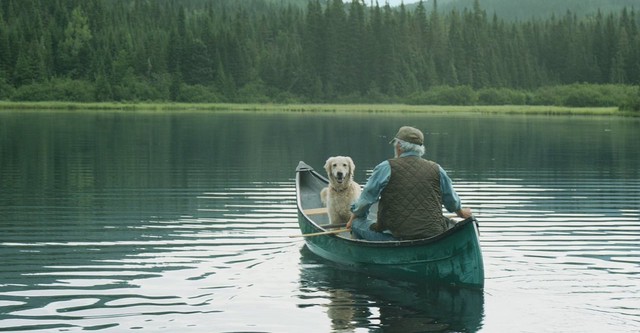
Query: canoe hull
[(453, 257)]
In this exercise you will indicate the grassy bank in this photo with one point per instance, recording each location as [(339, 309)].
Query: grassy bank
[(357, 108)]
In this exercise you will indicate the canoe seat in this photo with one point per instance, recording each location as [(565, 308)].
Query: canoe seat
[(316, 211)]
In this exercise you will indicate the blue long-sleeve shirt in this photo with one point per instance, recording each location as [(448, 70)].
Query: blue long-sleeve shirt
[(380, 178)]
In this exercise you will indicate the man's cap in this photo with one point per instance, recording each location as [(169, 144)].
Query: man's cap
[(410, 134)]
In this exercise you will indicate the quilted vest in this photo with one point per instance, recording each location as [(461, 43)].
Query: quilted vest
[(410, 205)]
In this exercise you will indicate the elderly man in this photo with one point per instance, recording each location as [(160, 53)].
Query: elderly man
[(411, 191)]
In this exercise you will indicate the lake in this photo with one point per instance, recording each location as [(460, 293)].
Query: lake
[(180, 222)]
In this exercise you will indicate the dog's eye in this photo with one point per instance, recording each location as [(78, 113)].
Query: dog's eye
[(335, 164)]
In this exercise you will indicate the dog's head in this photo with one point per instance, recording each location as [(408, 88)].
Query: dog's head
[(340, 169)]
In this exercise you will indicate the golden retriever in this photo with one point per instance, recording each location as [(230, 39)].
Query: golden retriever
[(342, 190)]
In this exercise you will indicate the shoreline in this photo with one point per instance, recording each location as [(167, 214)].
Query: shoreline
[(319, 108)]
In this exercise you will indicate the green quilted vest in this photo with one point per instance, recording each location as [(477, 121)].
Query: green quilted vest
[(411, 205)]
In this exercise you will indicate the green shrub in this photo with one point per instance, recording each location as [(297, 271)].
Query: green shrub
[(632, 102), (67, 90), (501, 96), (445, 95), (582, 97), (197, 94), (136, 90), (545, 96), (6, 90), (253, 92), (461, 95)]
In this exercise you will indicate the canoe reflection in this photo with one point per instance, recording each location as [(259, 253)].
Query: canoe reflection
[(356, 300)]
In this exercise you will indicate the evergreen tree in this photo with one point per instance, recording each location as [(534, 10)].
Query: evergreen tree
[(335, 51), (5, 50), (75, 46), (313, 47)]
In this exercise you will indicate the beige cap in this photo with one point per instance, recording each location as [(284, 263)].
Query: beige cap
[(410, 134)]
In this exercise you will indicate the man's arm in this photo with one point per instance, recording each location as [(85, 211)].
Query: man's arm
[(450, 198), (371, 191)]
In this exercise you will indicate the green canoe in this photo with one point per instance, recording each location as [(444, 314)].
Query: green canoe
[(453, 257)]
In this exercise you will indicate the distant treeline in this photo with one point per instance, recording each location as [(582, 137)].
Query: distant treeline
[(258, 51), (537, 9)]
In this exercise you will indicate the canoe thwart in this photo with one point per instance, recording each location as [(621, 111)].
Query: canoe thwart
[(333, 225), (316, 211), (322, 233)]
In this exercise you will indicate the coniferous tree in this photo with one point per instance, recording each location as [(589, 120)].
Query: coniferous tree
[(335, 48), (312, 39), (75, 46), (356, 76), (5, 50)]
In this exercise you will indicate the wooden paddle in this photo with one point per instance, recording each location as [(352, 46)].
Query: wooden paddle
[(337, 231)]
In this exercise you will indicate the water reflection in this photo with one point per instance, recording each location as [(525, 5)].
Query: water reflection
[(355, 300)]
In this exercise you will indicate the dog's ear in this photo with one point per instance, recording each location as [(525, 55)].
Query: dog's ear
[(352, 166), (327, 165)]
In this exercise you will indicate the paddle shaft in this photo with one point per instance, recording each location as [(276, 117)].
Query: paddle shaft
[(322, 233)]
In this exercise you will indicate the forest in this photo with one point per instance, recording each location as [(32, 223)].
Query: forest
[(327, 51)]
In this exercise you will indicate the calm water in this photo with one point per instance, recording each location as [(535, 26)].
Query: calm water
[(180, 223)]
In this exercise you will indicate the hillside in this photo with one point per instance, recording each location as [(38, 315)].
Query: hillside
[(539, 9), (508, 9)]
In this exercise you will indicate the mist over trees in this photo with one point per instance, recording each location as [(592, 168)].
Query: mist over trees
[(512, 10), (326, 51)]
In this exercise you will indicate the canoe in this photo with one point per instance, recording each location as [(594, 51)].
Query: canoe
[(451, 258)]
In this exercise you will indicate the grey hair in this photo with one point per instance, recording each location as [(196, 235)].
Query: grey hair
[(410, 147)]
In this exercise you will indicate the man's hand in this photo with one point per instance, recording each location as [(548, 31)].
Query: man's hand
[(464, 213)]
